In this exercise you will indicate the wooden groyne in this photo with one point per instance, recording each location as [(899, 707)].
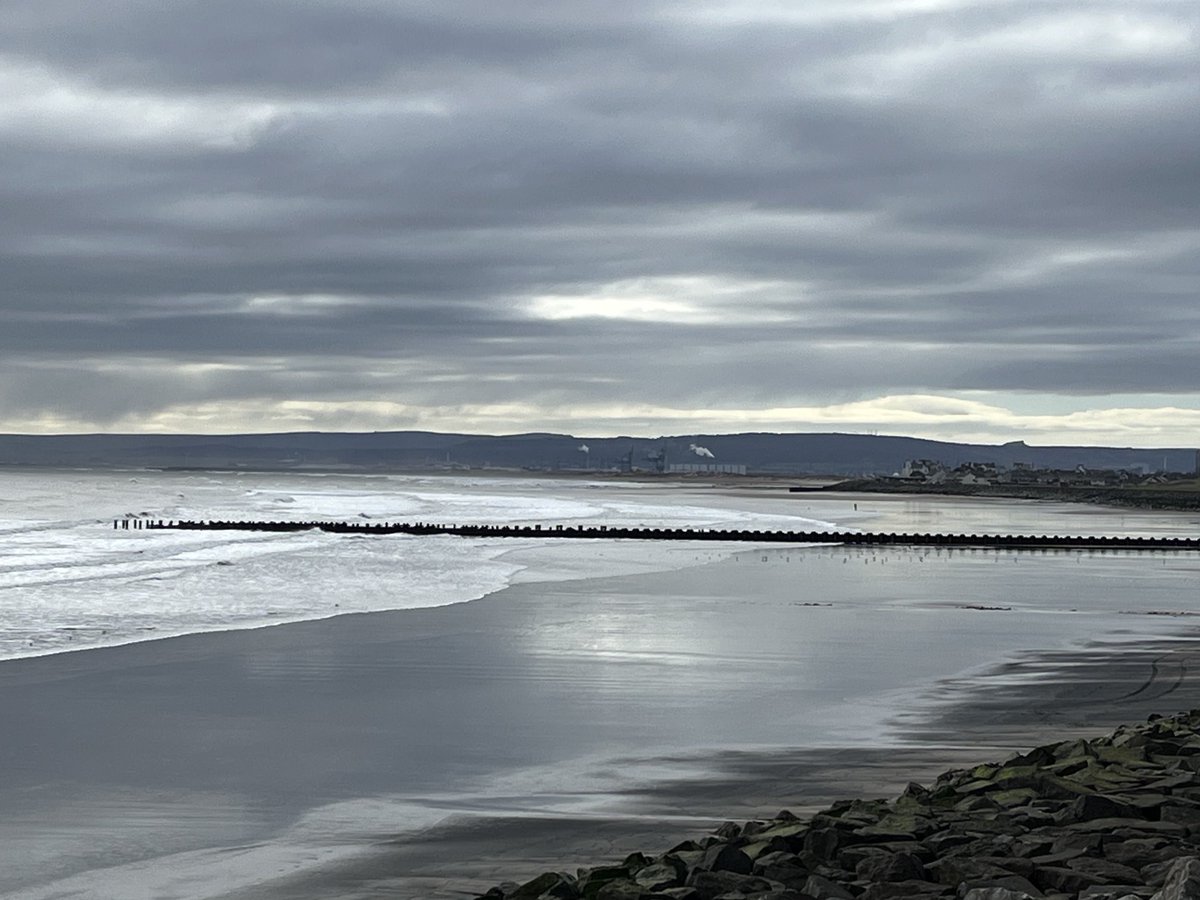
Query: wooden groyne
[(611, 532)]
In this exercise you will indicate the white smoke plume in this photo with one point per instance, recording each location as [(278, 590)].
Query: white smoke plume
[(701, 451), (584, 448)]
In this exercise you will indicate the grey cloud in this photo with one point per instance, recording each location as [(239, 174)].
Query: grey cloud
[(902, 183)]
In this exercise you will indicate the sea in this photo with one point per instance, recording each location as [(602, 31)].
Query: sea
[(70, 580), (431, 681)]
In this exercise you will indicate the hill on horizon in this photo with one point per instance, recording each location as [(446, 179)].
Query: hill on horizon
[(817, 453)]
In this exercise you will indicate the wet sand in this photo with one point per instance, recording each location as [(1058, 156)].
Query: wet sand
[(430, 753)]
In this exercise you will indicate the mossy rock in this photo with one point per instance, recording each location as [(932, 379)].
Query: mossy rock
[(1056, 787), (1011, 777), (783, 830), (1014, 797), (978, 786), (900, 825)]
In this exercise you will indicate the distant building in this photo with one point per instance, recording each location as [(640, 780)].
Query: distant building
[(706, 469), (926, 471), (976, 473)]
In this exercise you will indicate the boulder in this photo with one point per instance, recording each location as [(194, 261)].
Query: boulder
[(592, 880), (709, 885), (1136, 852), (1098, 806), (820, 888), (622, 889), (1069, 881), (669, 872), (1183, 880), (1015, 883), (954, 871), (902, 890), (891, 867), (823, 843), (1130, 827), (726, 858), (998, 893), (1110, 872), (552, 884)]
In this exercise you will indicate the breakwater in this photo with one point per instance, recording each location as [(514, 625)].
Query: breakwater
[(611, 532)]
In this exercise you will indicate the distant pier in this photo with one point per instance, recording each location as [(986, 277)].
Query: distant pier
[(611, 532)]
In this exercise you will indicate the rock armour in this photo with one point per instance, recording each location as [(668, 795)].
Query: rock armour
[(1115, 818)]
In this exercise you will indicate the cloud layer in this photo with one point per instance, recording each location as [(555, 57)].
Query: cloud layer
[(269, 214)]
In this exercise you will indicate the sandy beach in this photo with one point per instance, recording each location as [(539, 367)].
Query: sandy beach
[(433, 752)]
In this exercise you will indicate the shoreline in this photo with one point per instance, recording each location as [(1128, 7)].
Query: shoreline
[(1078, 694), (455, 859), (516, 683), (158, 699), (1151, 499), (1110, 818)]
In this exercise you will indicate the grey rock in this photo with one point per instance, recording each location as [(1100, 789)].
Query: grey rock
[(823, 843), (635, 861), (728, 831), (1136, 852), (1135, 827), (544, 884), (656, 876), (782, 867), (1062, 857), (901, 890), (1090, 844), (726, 858), (1182, 881), (891, 867), (1179, 813), (1032, 816), (710, 885), (939, 844), (1111, 872), (820, 888), (621, 889), (1068, 881), (998, 893), (592, 880), (1016, 883), (954, 871), (1016, 865), (1097, 806)]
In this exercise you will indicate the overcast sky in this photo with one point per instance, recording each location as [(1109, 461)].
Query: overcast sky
[(965, 219)]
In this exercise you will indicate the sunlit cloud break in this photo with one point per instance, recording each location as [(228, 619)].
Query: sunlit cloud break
[(939, 418)]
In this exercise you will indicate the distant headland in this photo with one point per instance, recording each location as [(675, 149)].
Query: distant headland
[(830, 455)]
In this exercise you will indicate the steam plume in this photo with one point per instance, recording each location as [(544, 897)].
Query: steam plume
[(701, 451)]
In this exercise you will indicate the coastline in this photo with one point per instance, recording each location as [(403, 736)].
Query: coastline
[(1145, 498), (325, 690), (432, 751), (1044, 699), (1071, 698), (1113, 817)]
